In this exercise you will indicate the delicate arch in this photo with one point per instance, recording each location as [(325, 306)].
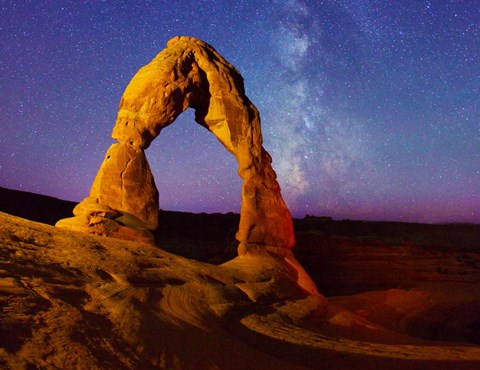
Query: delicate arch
[(188, 73)]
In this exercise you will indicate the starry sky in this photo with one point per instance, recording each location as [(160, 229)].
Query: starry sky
[(370, 108)]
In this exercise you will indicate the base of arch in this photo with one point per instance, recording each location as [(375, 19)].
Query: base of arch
[(275, 266), (106, 227)]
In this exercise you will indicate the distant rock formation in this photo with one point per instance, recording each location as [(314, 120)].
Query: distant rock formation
[(123, 201)]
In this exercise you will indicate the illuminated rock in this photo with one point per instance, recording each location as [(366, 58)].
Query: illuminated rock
[(188, 73), (123, 201)]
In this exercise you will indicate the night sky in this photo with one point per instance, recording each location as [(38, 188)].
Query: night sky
[(370, 108)]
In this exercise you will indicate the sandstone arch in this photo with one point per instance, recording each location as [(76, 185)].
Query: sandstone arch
[(123, 201)]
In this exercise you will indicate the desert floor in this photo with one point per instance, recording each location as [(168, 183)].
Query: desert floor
[(76, 301)]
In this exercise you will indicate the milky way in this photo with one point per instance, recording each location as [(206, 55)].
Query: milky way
[(370, 109)]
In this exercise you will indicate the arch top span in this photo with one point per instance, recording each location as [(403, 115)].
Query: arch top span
[(187, 73)]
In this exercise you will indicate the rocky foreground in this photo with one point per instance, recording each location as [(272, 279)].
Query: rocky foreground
[(70, 300)]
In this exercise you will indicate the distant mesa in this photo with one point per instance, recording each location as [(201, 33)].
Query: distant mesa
[(123, 200)]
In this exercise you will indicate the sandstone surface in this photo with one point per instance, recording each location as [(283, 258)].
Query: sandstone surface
[(76, 301), (123, 200), (188, 73)]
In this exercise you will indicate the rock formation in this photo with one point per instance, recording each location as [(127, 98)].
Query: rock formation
[(123, 201)]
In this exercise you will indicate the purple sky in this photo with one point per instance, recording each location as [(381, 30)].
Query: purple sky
[(370, 109)]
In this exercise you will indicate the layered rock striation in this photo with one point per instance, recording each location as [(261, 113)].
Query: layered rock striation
[(123, 201)]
